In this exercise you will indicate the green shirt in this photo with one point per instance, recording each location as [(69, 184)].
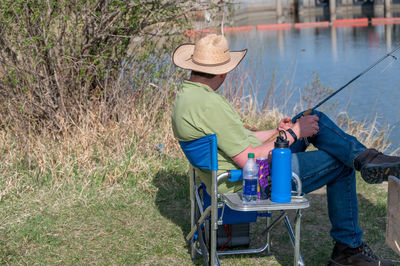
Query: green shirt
[(199, 111)]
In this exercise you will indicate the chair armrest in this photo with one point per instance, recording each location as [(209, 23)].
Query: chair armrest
[(235, 175), (299, 185)]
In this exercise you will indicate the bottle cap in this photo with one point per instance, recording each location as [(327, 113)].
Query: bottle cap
[(250, 155), (281, 142)]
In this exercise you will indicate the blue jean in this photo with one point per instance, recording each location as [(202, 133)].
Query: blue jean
[(332, 165)]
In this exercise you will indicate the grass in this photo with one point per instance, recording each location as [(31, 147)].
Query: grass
[(95, 225), (120, 224), (104, 193)]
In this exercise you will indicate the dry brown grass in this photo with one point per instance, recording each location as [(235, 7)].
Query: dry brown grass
[(265, 114), (93, 151), (123, 149), (70, 197), (371, 134)]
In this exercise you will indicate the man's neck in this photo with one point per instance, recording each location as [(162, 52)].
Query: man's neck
[(213, 83)]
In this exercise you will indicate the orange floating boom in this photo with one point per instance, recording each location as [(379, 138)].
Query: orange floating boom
[(358, 22), (239, 29), (319, 24), (274, 26), (383, 21)]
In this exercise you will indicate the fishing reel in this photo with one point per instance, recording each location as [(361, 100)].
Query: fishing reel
[(306, 112)]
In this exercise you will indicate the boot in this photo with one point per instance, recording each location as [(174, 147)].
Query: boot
[(376, 167), (363, 255)]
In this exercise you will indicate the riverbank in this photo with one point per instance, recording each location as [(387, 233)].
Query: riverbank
[(84, 178), (108, 194), (83, 223)]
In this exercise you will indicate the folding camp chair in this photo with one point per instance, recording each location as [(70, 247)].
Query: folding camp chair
[(228, 208)]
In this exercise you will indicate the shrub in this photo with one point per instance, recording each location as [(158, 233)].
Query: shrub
[(62, 59)]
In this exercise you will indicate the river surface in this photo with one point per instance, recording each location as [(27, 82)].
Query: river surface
[(291, 59)]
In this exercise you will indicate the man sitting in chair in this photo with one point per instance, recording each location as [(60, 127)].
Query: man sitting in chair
[(200, 111)]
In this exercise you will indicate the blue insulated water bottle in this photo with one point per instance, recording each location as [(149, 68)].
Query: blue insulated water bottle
[(281, 175)]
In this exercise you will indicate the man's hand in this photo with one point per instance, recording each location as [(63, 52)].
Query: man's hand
[(306, 126), (285, 124)]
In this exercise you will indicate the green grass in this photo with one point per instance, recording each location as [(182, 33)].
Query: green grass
[(113, 225), (101, 193), (88, 223)]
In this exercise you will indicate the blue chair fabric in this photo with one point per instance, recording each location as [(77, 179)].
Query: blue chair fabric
[(202, 153)]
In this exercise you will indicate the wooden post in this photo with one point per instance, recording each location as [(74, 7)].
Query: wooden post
[(393, 215), (388, 13), (332, 9), (279, 8)]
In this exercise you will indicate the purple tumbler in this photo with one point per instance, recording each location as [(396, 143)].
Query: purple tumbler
[(264, 184)]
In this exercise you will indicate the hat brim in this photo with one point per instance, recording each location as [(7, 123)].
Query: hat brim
[(182, 57)]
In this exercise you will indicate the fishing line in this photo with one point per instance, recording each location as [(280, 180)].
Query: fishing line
[(388, 65), (309, 111), (356, 77)]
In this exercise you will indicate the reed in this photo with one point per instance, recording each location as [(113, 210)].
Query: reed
[(265, 113), (125, 147), (95, 150), (107, 183)]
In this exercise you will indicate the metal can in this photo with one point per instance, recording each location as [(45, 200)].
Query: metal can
[(264, 179)]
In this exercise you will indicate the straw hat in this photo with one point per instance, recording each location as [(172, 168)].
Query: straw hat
[(209, 55)]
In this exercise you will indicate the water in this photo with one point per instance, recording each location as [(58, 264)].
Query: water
[(250, 190), (335, 56), (250, 178)]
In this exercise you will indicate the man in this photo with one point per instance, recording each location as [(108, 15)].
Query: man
[(199, 111)]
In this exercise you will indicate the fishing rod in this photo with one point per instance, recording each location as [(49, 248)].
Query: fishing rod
[(309, 111)]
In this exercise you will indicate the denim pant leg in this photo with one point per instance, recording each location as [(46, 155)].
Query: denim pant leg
[(318, 168), (335, 141), (332, 165)]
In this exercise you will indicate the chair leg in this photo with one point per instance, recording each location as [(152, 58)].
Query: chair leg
[(213, 246), (295, 238), (298, 260), (192, 212), (268, 235), (214, 217)]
